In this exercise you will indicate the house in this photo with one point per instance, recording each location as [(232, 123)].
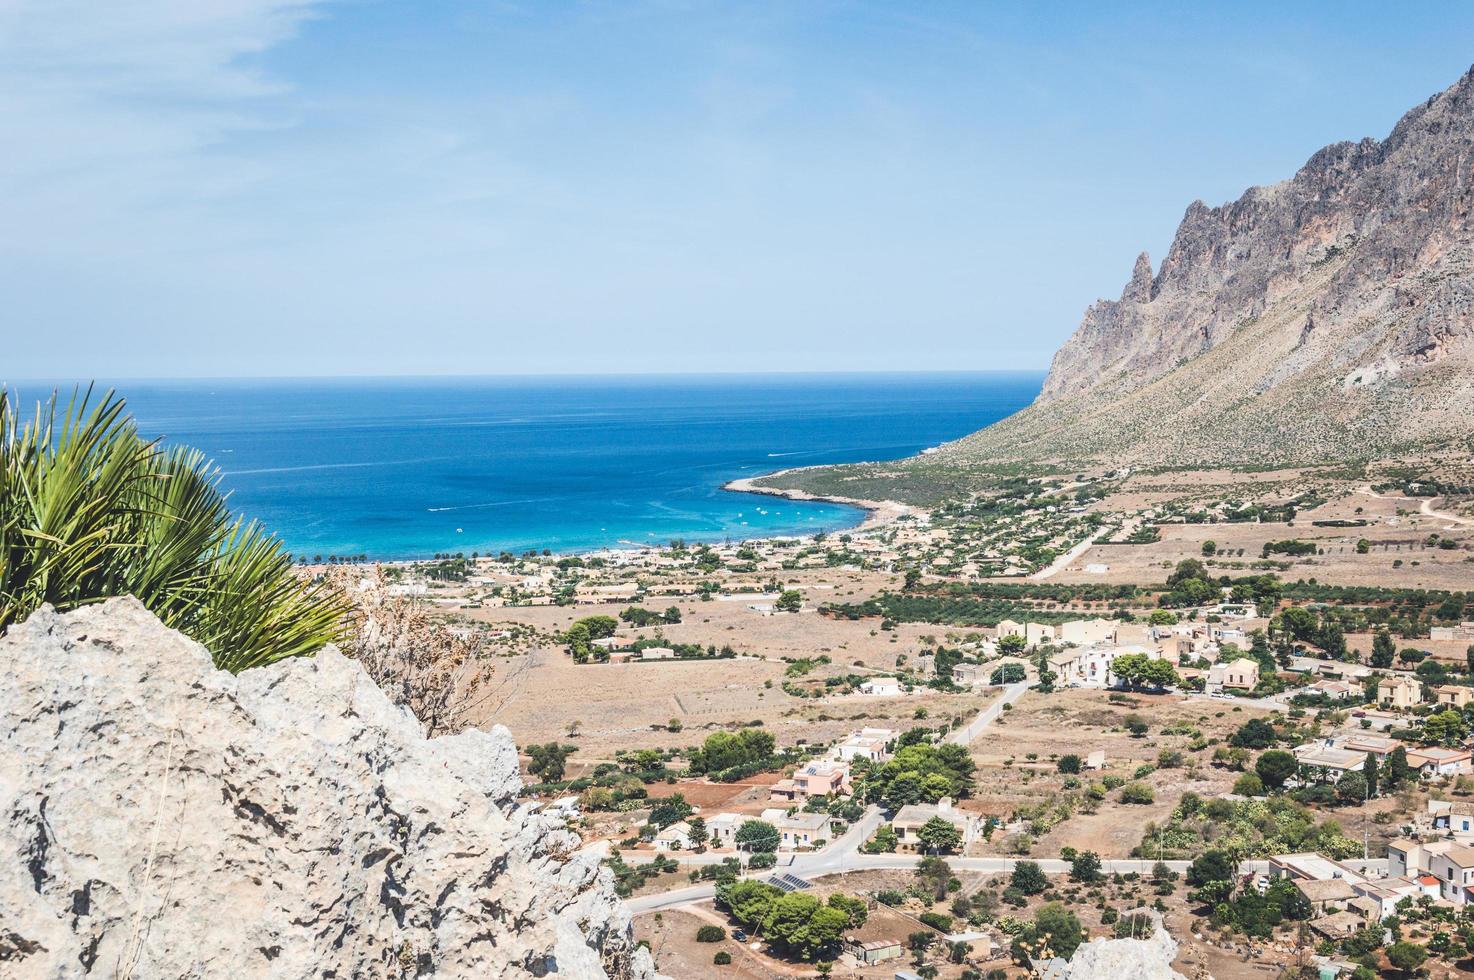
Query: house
[(1378, 899), (1454, 869), (1453, 695), (798, 829), (1309, 866), (1330, 761), (1435, 763), (1241, 674), (1325, 895), (1087, 632), (867, 743), (972, 675), (676, 837), (881, 687), (1455, 817), (1335, 690), (913, 816), (1379, 746), (1399, 692), (1463, 631), (657, 653), (1037, 634), (826, 777), (870, 952), (1007, 627), (721, 830), (1449, 863)]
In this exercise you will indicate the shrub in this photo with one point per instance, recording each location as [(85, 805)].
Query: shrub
[(722, 958), (1137, 793), (938, 921), (710, 934), (89, 510), (761, 860)]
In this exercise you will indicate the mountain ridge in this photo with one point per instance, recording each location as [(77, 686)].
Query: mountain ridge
[(1326, 316)]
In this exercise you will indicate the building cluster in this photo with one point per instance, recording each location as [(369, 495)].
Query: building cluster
[(1344, 897), (1347, 751)]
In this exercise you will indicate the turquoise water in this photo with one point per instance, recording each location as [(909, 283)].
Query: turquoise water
[(406, 468)]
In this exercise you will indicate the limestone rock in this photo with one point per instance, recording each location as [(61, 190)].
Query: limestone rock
[(1127, 959), (161, 818)]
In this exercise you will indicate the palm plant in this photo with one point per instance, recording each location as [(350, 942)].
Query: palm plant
[(89, 510)]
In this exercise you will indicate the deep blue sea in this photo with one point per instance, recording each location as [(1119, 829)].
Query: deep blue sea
[(406, 468)]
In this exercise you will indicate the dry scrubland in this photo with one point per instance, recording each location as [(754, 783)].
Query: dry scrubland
[(539, 695), (1080, 722)]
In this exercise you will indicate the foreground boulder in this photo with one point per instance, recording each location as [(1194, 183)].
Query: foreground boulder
[(161, 818), (1127, 959)]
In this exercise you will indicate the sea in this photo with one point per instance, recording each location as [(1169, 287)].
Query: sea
[(404, 468)]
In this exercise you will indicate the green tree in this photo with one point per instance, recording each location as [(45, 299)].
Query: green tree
[(1369, 773), (757, 835), (668, 811), (1275, 767), (1444, 728), (797, 922), (1406, 956), (1069, 764), (855, 910), (1013, 644), (1351, 788), (1055, 931), (790, 600), (1210, 548), (1028, 878), (939, 836), (747, 900), (549, 762), (1469, 659), (1383, 650), (1085, 866), (933, 876), (1398, 773), (1210, 866), (1256, 733)]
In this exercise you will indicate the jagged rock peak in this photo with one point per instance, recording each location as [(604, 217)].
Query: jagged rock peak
[(161, 818), (1327, 316)]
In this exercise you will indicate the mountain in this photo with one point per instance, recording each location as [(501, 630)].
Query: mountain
[(1329, 316)]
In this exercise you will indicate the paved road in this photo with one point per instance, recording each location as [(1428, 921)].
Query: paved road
[(1063, 561), (968, 733)]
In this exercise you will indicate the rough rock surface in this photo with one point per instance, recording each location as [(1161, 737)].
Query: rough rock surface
[(160, 818), (1127, 959), (1329, 315)]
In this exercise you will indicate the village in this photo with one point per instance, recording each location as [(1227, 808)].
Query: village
[(760, 729)]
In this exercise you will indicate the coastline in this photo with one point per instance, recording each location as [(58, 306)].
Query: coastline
[(878, 513)]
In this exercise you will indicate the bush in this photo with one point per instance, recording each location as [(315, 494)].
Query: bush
[(938, 921), (1249, 784), (710, 934), (1137, 793), (722, 958), (761, 860), (1069, 764), (105, 513)]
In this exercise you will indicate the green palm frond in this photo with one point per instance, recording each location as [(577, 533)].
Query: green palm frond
[(89, 510)]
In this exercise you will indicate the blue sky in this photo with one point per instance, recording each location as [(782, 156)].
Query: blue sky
[(278, 187)]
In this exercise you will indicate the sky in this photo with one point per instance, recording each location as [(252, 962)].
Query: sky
[(369, 187)]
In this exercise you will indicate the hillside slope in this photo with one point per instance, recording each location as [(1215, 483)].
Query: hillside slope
[(1329, 316)]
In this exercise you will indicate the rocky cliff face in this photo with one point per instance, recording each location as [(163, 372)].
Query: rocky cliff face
[(161, 818), (1327, 316)]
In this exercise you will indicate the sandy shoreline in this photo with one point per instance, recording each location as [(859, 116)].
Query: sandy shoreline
[(878, 512)]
